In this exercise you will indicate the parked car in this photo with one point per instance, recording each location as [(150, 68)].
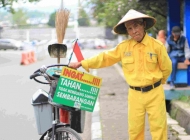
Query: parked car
[(11, 44), (100, 44), (89, 44)]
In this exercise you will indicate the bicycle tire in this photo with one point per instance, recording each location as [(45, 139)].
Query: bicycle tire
[(65, 133)]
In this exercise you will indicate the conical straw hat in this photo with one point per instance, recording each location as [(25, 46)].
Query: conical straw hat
[(131, 15)]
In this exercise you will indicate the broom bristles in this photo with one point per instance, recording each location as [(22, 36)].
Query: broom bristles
[(61, 21)]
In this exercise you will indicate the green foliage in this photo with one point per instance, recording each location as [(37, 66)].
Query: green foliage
[(83, 22), (184, 98), (51, 21), (19, 18), (110, 12), (83, 19), (174, 112)]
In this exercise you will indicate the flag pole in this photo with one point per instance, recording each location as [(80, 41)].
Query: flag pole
[(72, 51)]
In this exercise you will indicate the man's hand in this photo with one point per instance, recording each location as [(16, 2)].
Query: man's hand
[(187, 62), (75, 65)]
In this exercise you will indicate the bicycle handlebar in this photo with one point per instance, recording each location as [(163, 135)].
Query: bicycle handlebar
[(35, 75), (42, 72)]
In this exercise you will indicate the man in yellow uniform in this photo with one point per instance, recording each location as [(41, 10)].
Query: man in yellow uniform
[(146, 67)]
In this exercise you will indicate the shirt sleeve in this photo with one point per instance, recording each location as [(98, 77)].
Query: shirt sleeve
[(165, 64), (104, 59), (186, 50)]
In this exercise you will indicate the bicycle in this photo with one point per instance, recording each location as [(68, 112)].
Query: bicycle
[(47, 112)]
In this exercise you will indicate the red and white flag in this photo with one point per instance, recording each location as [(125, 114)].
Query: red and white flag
[(77, 51)]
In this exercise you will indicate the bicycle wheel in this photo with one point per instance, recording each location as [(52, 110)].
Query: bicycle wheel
[(64, 133)]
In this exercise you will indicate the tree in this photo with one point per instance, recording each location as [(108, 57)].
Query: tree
[(7, 4), (83, 19), (19, 18), (109, 12), (51, 21)]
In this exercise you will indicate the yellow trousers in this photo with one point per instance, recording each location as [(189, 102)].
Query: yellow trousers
[(152, 103)]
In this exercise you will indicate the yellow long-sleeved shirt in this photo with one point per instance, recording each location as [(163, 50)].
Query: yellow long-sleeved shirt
[(143, 63)]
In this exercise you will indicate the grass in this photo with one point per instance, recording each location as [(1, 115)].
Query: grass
[(184, 98)]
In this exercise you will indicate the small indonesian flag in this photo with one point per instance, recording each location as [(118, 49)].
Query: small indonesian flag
[(77, 51)]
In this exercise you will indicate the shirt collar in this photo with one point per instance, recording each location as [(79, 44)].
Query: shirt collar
[(172, 38), (144, 41)]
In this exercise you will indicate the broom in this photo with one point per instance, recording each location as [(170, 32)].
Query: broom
[(61, 21)]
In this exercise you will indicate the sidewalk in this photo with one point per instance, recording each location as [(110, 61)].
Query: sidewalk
[(113, 107)]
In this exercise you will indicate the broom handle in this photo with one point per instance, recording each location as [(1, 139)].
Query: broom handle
[(58, 60)]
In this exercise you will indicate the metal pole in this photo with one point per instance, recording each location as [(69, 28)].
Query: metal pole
[(62, 3), (27, 36), (76, 20)]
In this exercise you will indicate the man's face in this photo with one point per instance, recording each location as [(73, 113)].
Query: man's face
[(135, 29), (176, 35)]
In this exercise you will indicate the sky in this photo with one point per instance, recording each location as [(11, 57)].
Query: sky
[(47, 5)]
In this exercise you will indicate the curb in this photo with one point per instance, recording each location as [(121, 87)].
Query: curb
[(96, 124), (177, 131), (96, 132)]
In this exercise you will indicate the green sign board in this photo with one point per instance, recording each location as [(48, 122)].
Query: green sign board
[(77, 89)]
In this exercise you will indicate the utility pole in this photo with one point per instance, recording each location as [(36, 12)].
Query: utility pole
[(76, 20), (62, 3)]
